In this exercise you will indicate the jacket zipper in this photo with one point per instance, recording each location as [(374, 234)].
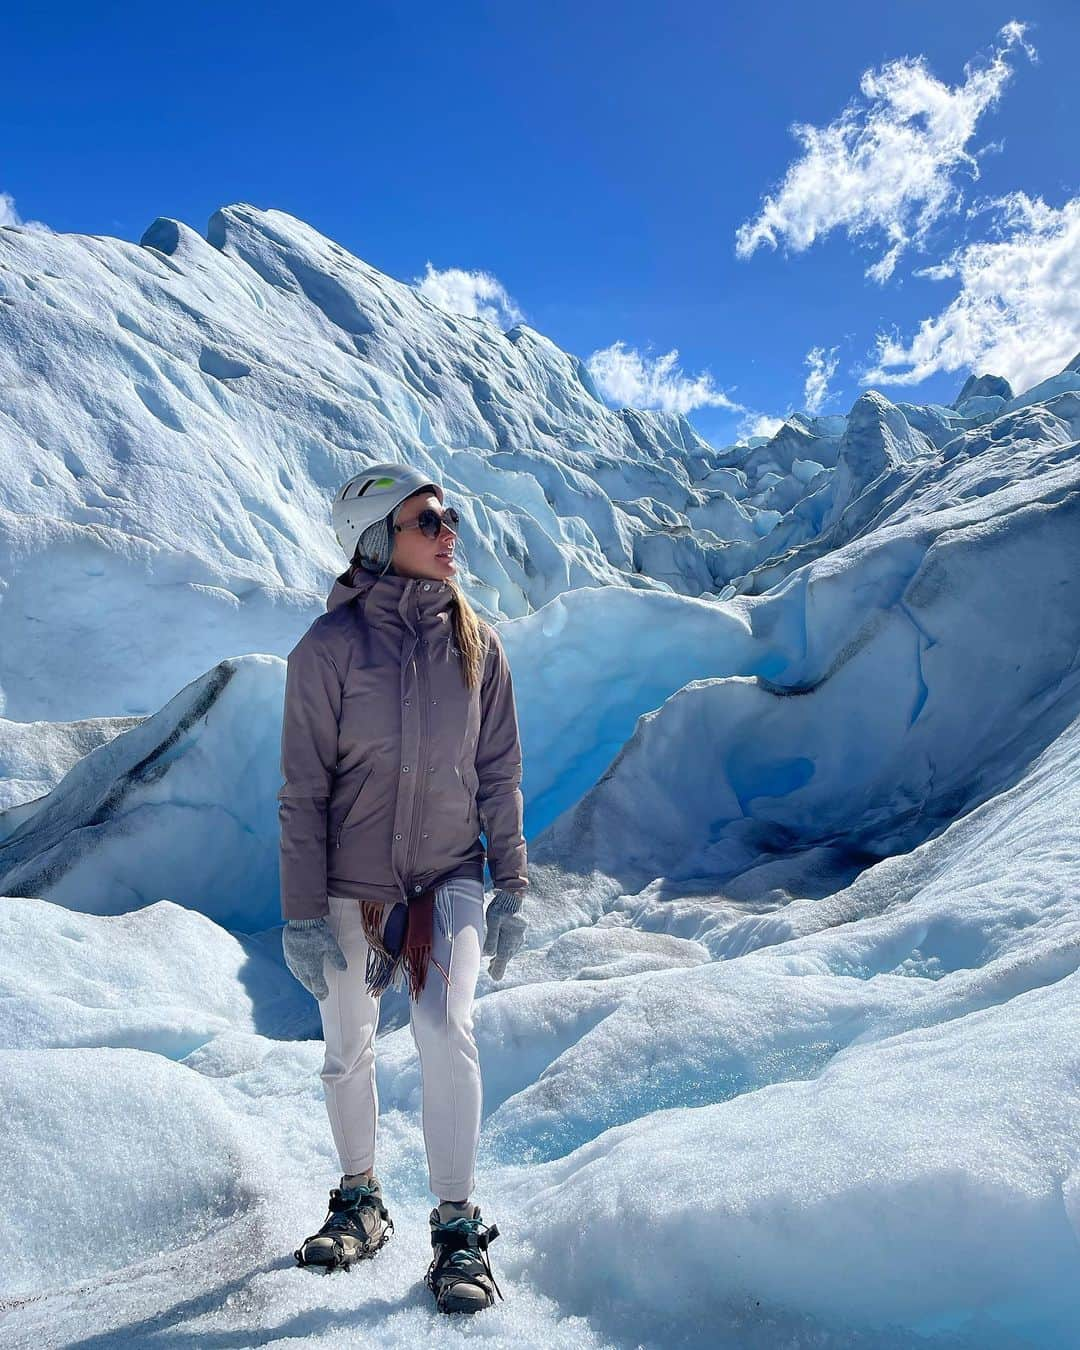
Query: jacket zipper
[(421, 767)]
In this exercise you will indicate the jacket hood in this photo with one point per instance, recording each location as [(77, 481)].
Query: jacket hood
[(348, 585), (389, 594)]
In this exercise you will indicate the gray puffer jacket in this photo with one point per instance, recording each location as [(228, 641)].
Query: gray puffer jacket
[(392, 766)]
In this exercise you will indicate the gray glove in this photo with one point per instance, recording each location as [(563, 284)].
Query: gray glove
[(306, 943), (505, 931)]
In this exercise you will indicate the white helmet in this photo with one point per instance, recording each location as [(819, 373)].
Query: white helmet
[(371, 496)]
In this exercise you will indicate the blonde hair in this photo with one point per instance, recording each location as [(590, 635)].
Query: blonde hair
[(468, 636)]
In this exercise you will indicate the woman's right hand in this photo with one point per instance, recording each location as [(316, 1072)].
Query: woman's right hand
[(307, 943)]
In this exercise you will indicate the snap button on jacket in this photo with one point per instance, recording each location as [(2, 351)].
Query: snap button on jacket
[(391, 765)]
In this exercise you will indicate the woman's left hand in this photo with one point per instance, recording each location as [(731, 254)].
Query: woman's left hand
[(505, 931)]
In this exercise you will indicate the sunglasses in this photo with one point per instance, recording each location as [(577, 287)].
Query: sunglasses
[(431, 521)]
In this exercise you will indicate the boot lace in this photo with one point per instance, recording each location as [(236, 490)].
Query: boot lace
[(345, 1205)]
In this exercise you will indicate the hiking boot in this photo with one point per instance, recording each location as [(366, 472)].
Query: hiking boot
[(460, 1274), (357, 1225)]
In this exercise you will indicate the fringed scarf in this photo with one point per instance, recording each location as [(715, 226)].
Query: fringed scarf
[(400, 938)]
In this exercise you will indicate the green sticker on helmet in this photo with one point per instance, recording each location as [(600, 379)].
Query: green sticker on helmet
[(384, 482)]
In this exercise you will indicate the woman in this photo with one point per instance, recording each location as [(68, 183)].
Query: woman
[(399, 744)]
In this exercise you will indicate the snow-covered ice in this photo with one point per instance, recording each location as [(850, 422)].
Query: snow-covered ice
[(790, 1057)]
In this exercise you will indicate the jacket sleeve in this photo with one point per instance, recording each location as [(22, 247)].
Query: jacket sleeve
[(498, 769), (309, 750)]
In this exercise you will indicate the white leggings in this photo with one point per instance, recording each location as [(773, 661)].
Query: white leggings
[(442, 1027)]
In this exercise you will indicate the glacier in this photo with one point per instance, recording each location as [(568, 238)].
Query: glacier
[(790, 1054)]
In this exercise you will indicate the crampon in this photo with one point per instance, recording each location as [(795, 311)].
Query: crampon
[(356, 1227)]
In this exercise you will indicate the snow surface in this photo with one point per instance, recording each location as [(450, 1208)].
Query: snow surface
[(790, 1056)]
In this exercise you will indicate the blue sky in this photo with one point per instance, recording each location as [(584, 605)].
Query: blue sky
[(591, 168)]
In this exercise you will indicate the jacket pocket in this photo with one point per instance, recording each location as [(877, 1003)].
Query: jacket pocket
[(471, 783), (350, 814)]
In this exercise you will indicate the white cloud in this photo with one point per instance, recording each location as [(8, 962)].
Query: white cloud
[(9, 216), (991, 148), (628, 379), (887, 166), (822, 368), (476, 295), (760, 424), (1017, 313)]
